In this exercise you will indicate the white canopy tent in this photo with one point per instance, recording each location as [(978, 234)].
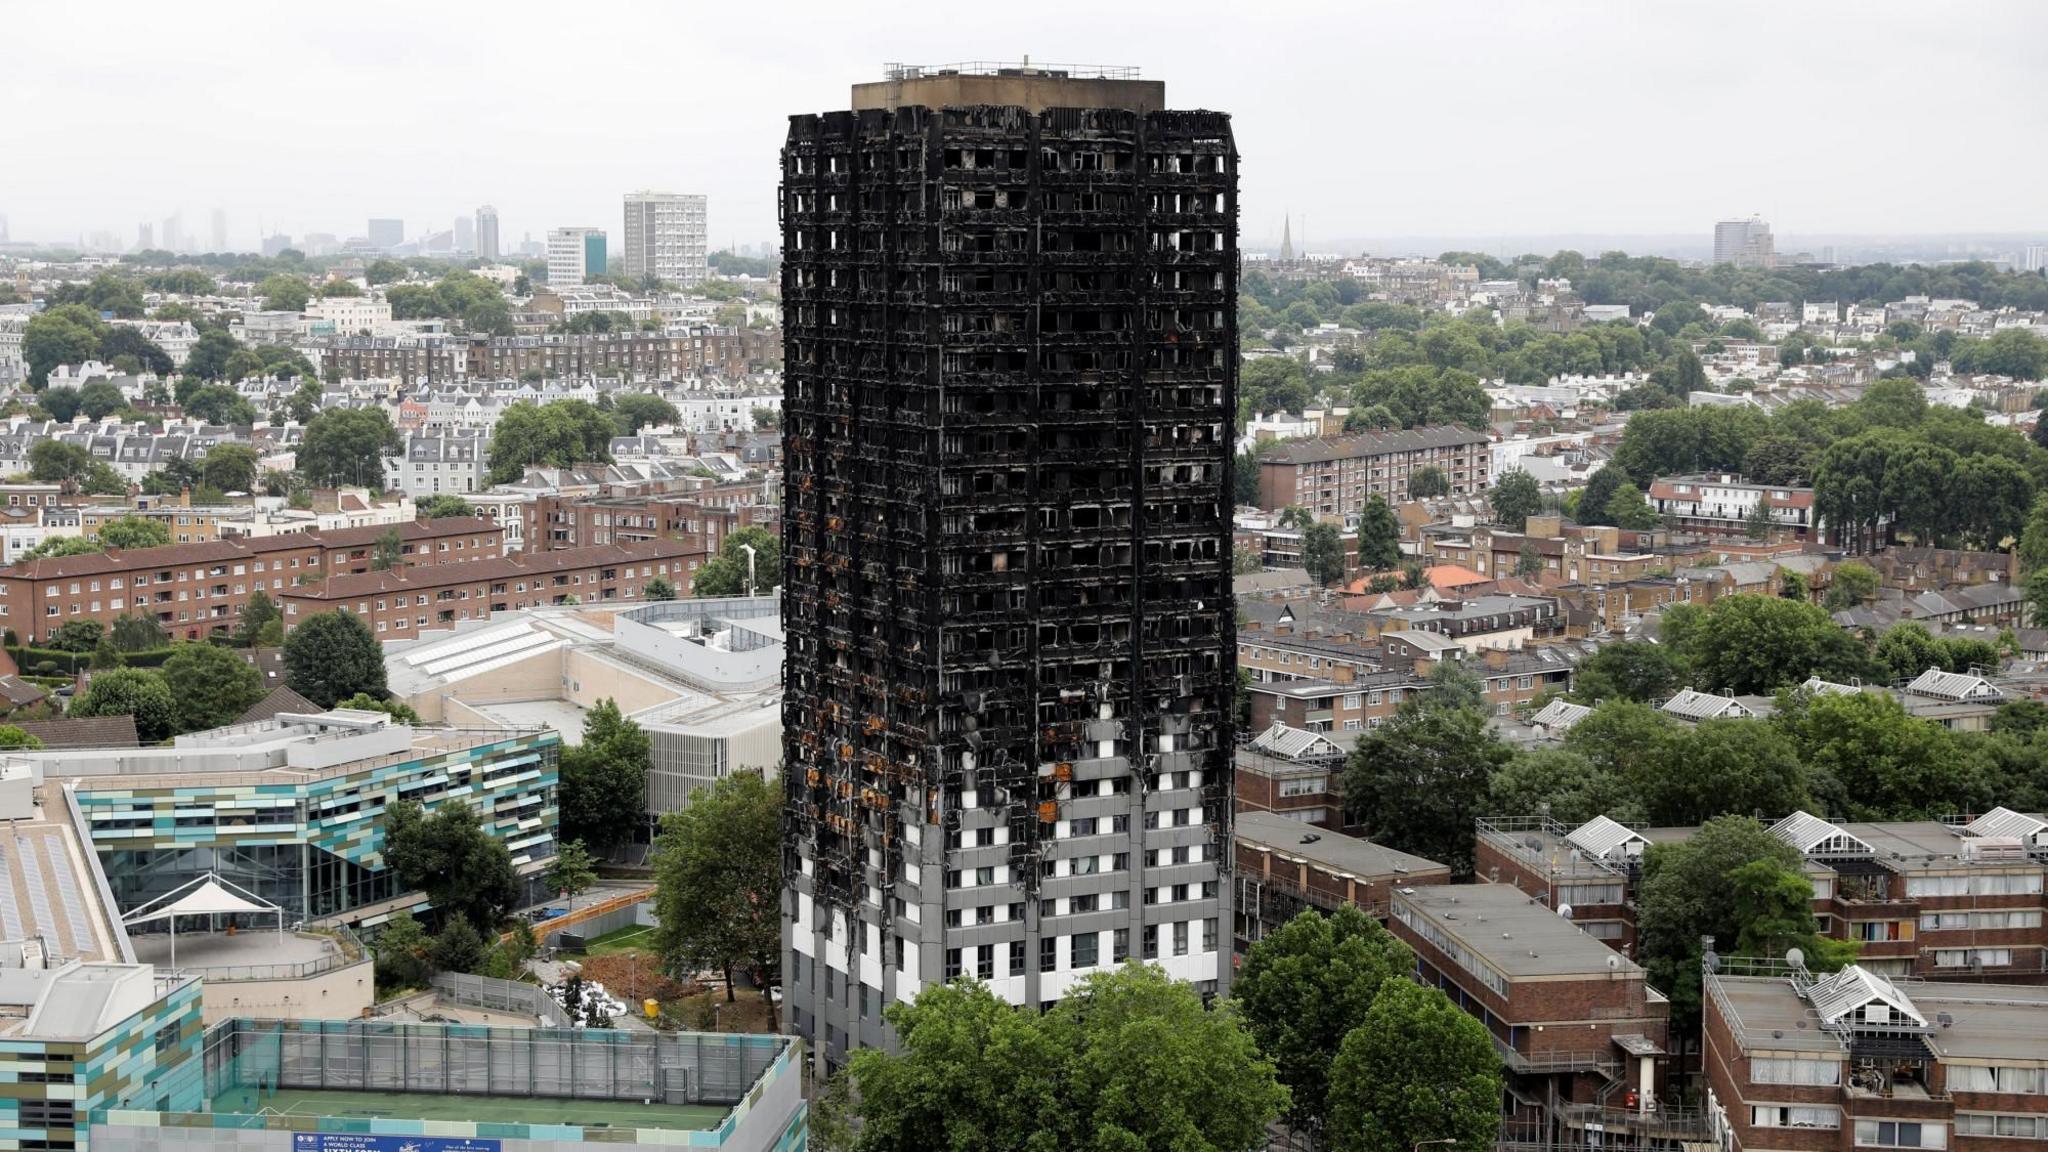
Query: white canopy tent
[(207, 895)]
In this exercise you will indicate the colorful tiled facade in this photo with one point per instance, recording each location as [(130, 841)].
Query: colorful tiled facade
[(49, 1088), (313, 842)]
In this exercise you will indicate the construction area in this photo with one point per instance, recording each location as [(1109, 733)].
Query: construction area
[(1011, 371)]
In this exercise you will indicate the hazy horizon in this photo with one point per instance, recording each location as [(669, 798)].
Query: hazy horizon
[(1480, 121)]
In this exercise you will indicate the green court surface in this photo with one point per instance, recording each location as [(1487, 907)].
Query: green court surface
[(488, 1109), (631, 938)]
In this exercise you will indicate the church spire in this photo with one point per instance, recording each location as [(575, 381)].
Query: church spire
[(1287, 238)]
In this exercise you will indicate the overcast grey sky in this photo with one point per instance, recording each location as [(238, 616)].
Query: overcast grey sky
[(1368, 118)]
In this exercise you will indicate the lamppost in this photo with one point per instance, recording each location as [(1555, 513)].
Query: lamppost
[(633, 978), (749, 550)]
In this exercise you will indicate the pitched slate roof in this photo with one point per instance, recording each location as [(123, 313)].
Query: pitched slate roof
[(84, 732), (277, 700)]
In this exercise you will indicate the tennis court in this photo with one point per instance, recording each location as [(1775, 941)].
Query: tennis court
[(491, 1109)]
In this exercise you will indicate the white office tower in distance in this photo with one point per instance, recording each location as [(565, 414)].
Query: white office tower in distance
[(573, 255), (487, 233), (1744, 243), (665, 237)]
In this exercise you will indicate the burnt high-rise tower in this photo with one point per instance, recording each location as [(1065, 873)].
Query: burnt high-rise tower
[(1010, 340)]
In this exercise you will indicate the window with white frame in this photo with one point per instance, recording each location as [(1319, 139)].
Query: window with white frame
[(1794, 1116), (1900, 1134), (1781, 1070)]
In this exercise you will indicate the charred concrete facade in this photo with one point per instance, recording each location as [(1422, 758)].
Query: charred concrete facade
[(1011, 371)]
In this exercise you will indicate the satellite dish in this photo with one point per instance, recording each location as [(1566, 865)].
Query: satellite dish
[(1614, 963), (1564, 910), (1795, 957), (1711, 961)]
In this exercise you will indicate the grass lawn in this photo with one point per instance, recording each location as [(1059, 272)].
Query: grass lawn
[(632, 938), (493, 1109)]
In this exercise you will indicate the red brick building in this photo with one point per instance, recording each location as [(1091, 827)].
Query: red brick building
[(1803, 1063), (400, 603), (191, 590), (1284, 867)]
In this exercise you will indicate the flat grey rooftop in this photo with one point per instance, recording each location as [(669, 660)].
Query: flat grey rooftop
[(1361, 859), (1986, 1021), (248, 947), (1507, 928)]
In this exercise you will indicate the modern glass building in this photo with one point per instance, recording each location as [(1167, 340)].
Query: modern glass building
[(306, 833)]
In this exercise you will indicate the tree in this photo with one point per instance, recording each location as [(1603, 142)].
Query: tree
[(1428, 482), (137, 633), (1528, 561), (1128, 1059), (1630, 670), (208, 359), (99, 398), (130, 692), (1417, 1068), (282, 293), (1779, 459), (726, 574), (1852, 585), (1515, 498), (1724, 766), (1871, 760), (604, 779), (67, 334), (1563, 782), (121, 340), (348, 446), (333, 655), (230, 468), (56, 461), (77, 636), (126, 532), (14, 739), (332, 288), (443, 505), (636, 410), (718, 880), (1304, 987), (57, 547), (1599, 491), (61, 402), (459, 947), (364, 702), (105, 655), (1627, 509), (259, 612), (304, 402), (1379, 537), (1751, 644), (658, 588), (562, 434), (384, 272), (218, 404), (464, 871), (1322, 552), (572, 871), (405, 954), (210, 686), (1757, 525), (1418, 782), (388, 552), (1687, 893)]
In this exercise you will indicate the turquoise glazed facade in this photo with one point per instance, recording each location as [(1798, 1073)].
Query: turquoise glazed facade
[(314, 845)]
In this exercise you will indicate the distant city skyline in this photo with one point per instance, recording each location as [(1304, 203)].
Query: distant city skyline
[(1374, 119)]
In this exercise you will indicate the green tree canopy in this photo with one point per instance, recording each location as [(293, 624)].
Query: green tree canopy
[(1126, 1060), (348, 446), (636, 410), (66, 334), (1417, 1068), (127, 532), (1419, 781), (726, 573), (230, 468), (333, 655), (1515, 497), (1629, 670), (718, 880), (1750, 644), (446, 854), (130, 692), (560, 435), (604, 779), (282, 293), (1322, 552), (1379, 537), (1308, 984), (442, 505), (210, 687)]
